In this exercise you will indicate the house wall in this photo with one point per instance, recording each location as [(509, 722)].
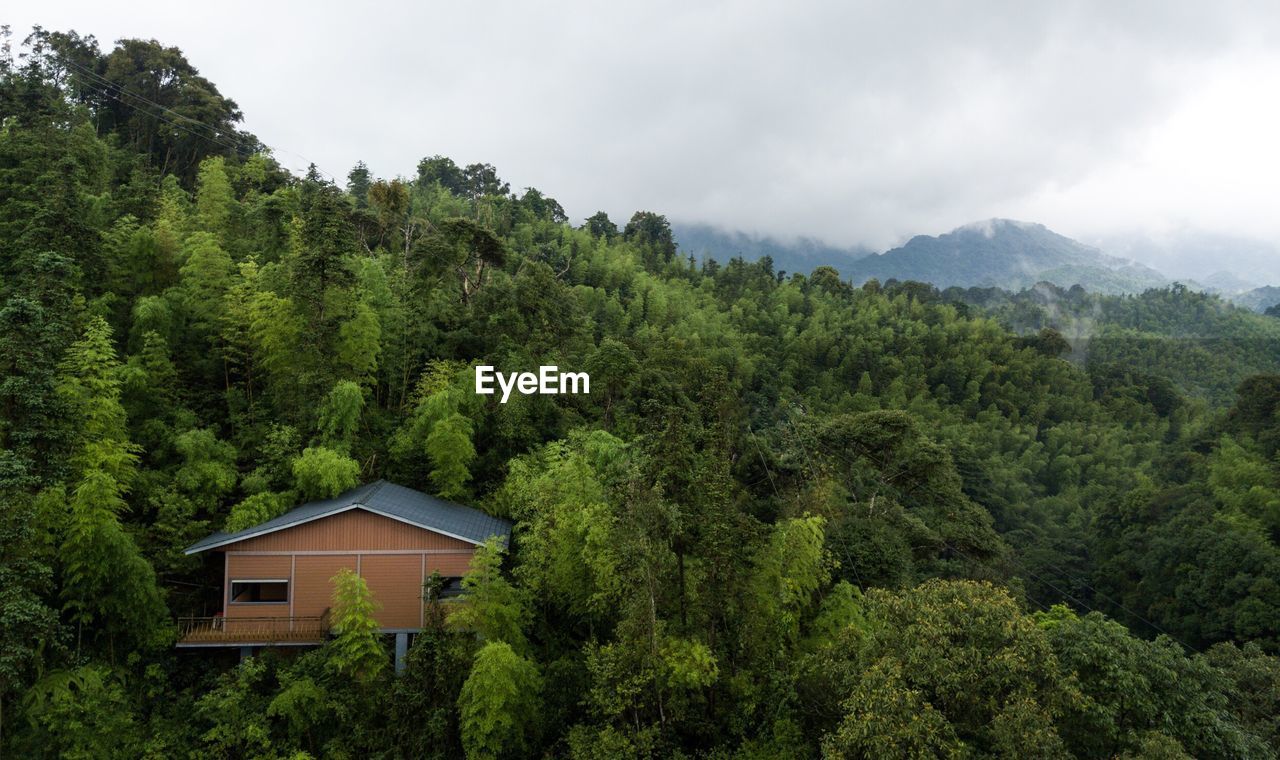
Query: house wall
[(394, 559)]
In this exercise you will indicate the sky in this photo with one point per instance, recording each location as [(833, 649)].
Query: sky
[(851, 122)]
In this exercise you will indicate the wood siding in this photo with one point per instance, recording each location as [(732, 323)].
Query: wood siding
[(394, 558), (240, 567), (396, 582), (353, 530), (313, 591), (449, 565)]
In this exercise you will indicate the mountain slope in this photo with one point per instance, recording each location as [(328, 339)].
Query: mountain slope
[(802, 255), (1008, 254), (1258, 299)]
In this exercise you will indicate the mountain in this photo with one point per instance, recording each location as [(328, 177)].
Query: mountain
[(801, 255), (1258, 299), (1007, 254)]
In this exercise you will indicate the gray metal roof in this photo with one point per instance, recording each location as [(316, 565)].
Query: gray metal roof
[(382, 498)]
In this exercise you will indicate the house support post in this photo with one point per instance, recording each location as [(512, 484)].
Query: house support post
[(402, 646), (245, 653)]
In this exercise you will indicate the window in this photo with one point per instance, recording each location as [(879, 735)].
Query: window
[(260, 592), (439, 587), (452, 587)]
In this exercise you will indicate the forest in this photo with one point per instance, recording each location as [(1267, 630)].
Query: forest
[(793, 518)]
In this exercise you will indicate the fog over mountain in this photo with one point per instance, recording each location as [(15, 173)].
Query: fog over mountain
[(1014, 254), (803, 255), (995, 252), (1228, 263)]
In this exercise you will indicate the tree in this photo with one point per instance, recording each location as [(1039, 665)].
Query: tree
[(322, 473), (214, 199), (108, 585), (340, 415), (499, 703), (479, 180), (465, 249), (442, 171), (33, 433), (441, 430), (599, 226), (29, 628), (451, 451), (652, 233), (132, 67), (1139, 689), (950, 666), (560, 497), (207, 275), (81, 713), (359, 345), (355, 651), (494, 609), (359, 180)]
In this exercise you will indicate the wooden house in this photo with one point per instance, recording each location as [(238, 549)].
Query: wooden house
[(277, 576)]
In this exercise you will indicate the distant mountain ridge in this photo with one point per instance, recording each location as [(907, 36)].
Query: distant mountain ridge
[(1008, 254), (996, 252), (1258, 299), (802, 255)]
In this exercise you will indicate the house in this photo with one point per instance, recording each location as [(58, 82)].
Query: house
[(277, 576)]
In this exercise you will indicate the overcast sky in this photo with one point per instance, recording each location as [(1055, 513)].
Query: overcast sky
[(855, 122)]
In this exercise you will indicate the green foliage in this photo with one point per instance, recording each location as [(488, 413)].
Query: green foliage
[(355, 651), (494, 609), (322, 473), (789, 571), (450, 449), (559, 496), (108, 584), (440, 429), (340, 415), (1138, 690), (499, 703), (793, 516), (80, 714), (235, 711), (214, 201), (208, 471), (256, 509), (950, 666), (27, 624), (358, 344)]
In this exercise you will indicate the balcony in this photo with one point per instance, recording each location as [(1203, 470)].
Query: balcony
[(252, 631)]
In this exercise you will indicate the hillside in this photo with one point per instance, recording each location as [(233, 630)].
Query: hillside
[(802, 255), (1007, 254), (791, 517), (1205, 346), (1258, 299)]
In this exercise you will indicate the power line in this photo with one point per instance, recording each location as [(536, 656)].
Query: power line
[(230, 141), (105, 86)]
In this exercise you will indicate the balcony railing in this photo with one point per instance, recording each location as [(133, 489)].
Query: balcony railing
[(212, 631)]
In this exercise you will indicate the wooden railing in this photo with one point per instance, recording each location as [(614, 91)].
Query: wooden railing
[(265, 630)]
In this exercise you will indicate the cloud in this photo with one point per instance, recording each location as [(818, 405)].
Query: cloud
[(853, 122)]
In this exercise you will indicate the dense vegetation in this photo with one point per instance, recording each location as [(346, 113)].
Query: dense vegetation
[(792, 518)]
